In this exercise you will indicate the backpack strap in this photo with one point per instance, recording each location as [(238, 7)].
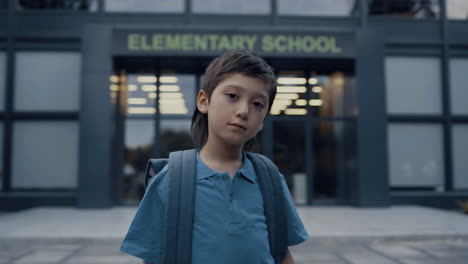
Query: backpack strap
[(179, 211), (274, 204)]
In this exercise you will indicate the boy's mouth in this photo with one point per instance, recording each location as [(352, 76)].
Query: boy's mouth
[(238, 125)]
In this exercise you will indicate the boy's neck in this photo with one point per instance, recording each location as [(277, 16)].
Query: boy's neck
[(227, 158)]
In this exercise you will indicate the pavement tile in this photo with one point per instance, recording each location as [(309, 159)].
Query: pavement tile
[(117, 259), (397, 250), (366, 257), (43, 256)]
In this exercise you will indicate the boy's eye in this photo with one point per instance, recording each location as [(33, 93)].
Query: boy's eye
[(232, 95), (259, 105)]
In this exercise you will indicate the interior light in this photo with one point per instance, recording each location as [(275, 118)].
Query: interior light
[(141, 110), (171, 101), (291, 89), (149, 88), (295, 111), (282, 102), (313, 81), (169, 88), (292, 96), (275, 112), (287, 80), (315, 102), (168, 79), (180, 111), (147, 79), (317, 89), (114, 79), (132, 87), (114, 87), (152, 95), (171, 95), (138, 101), (301, 102)]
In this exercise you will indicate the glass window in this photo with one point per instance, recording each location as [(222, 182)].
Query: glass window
[(241, 7), (47, 81), (45, 154), (458, 81), (145, 6), (1, 156), (90, 5), (405, 8), (334, 158), (459, 154), (289, 156), (317, 7), (416, 155), (457, 9), (332, 95), (139, 138), (175, 135), (3, 73), (413, 85), (177, 94)]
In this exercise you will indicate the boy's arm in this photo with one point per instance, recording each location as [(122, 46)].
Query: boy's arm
[(288, 259)]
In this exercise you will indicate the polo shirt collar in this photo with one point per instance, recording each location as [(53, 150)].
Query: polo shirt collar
[(247, 170)]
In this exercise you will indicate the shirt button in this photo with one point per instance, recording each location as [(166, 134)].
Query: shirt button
[(230, 201), (224, 177)]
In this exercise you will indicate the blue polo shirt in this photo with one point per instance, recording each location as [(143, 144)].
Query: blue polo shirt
[(229, 224)]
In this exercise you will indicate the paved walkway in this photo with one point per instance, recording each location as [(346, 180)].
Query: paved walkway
[(401, 234)]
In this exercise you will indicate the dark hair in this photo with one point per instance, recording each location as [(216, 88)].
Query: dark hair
[(235, 61)]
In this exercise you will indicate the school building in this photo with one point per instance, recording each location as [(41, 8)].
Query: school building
[(371, 108)]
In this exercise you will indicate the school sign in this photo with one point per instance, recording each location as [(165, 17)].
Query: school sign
[(139, 42)]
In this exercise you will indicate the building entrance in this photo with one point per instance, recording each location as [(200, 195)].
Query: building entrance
[(309, 134)]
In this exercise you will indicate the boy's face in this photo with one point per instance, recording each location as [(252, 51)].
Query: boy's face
[(236, 110)]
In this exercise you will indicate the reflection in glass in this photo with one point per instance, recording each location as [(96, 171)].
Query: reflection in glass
[(177, 94), (458, 81), (416, 155), (289, 155), (47, 81), (405, 8), (175, 135), (2, 80), (318, 7), (141, 94), (332, 95), (457, 9), (139, 135), (459, 154), (90, 5), (413, 85), (45, 154), (291, 97), (240, 7), (334, 158), (145, 6)]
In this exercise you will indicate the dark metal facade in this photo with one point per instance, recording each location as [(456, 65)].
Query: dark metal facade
[(91, 33)]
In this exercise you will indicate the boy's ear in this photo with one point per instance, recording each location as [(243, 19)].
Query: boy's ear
[(202, 102)]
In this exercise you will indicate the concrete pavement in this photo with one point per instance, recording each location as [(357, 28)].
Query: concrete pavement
[(400, 234)]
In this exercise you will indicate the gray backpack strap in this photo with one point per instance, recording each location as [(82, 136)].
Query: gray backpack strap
[(274, 204), (179, 211), (155, 165)]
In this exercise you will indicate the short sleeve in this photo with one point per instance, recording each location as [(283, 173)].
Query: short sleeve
[(144, 237), (296, 231)]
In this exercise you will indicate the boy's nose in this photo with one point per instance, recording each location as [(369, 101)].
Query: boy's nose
[(243, 111)]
